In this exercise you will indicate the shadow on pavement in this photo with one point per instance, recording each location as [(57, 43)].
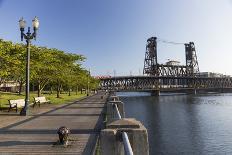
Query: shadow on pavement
[(15, 143)]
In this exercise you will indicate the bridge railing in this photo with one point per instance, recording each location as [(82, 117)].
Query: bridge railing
[(122, 135)]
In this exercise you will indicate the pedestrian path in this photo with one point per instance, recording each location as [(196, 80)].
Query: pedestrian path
[(37, 133)]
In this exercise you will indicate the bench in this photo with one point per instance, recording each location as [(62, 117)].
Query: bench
[(16, 104), (39, 100)]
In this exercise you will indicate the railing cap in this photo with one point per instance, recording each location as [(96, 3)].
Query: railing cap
[(125, 123), (115, 101)]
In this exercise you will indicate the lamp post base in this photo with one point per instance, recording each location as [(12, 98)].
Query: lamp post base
[(23, 112)]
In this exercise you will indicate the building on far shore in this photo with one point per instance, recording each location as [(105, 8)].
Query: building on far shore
[(9, 86), (212, 74)]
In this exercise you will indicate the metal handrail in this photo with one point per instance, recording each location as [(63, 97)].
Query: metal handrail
[(126, 142), (117, 111), (127, 146)]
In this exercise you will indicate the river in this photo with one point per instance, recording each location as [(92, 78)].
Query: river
[(183, 124)]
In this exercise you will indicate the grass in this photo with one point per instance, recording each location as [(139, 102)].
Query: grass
[(64, 98)]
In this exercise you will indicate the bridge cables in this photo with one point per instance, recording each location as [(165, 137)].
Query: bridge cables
[(169, 42)]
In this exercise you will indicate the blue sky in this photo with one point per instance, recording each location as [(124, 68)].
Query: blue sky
[(112, 34)]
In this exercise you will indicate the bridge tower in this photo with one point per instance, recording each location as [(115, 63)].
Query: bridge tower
[(192, 68), (150, 61)]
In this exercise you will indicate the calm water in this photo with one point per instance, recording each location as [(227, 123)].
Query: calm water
[(184, 124)]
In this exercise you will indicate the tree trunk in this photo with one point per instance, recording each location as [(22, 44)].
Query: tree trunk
[(39, 91), (69, 92), (58, 89), (51, 90), (20, 86), (76, 89)]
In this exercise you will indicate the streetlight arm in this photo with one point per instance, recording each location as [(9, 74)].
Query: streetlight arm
[(28, 35), (23, 35), (34, 34)]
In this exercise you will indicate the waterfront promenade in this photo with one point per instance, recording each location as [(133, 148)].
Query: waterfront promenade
[(37, 133)]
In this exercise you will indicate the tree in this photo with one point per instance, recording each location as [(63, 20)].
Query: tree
[(16, 65), (64, 63), (5, 59), (47, 66), (42, 65)]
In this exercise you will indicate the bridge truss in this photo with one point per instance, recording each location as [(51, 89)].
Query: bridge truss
[(139, 83), (167, 76), (153, 68)]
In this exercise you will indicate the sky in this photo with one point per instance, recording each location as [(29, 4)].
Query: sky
[(112, 34)]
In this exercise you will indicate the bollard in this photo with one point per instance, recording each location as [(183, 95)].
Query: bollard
[(63, 133), (111, 141), (111, 113)]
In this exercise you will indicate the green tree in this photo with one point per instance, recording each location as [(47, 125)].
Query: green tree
[(42, 67), (17, 65), (5, 59), (48, 66), (64, 64)]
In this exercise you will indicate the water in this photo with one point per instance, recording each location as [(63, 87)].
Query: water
[(184, 124)]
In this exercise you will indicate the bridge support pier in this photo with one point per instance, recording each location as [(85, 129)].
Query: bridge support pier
[(111, 141), (111, 112), (222, 90), (192, 91), (195, 92), (155, 93)]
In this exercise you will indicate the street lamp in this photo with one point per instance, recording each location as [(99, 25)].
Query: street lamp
[(28, 37)]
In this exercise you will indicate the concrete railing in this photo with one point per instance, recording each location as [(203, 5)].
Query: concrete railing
[(122, 135)]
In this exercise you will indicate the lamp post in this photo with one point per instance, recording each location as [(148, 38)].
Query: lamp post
[(28, 37)]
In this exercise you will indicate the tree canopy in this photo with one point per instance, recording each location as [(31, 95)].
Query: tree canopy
[(49, 68)]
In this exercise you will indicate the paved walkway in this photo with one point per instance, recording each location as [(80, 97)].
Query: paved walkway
[(36, 134)]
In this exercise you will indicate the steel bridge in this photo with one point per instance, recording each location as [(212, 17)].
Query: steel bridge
[(168, 77), (166, 84)]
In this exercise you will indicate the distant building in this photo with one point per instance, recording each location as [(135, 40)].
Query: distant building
[(9, 86), (173, 63), (211, 74), (102, 77)]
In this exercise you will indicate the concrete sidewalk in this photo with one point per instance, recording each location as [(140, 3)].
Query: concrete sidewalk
[(36, 134)]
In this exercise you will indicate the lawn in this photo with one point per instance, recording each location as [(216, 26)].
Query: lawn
[(64, 98)]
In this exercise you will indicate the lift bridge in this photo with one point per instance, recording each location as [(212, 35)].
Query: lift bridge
[(169, 77)]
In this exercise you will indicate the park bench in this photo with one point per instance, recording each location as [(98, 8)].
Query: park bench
[(16, 104), (39, 100)]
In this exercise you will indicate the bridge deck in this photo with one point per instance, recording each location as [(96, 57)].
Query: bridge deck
[(36, 133)]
